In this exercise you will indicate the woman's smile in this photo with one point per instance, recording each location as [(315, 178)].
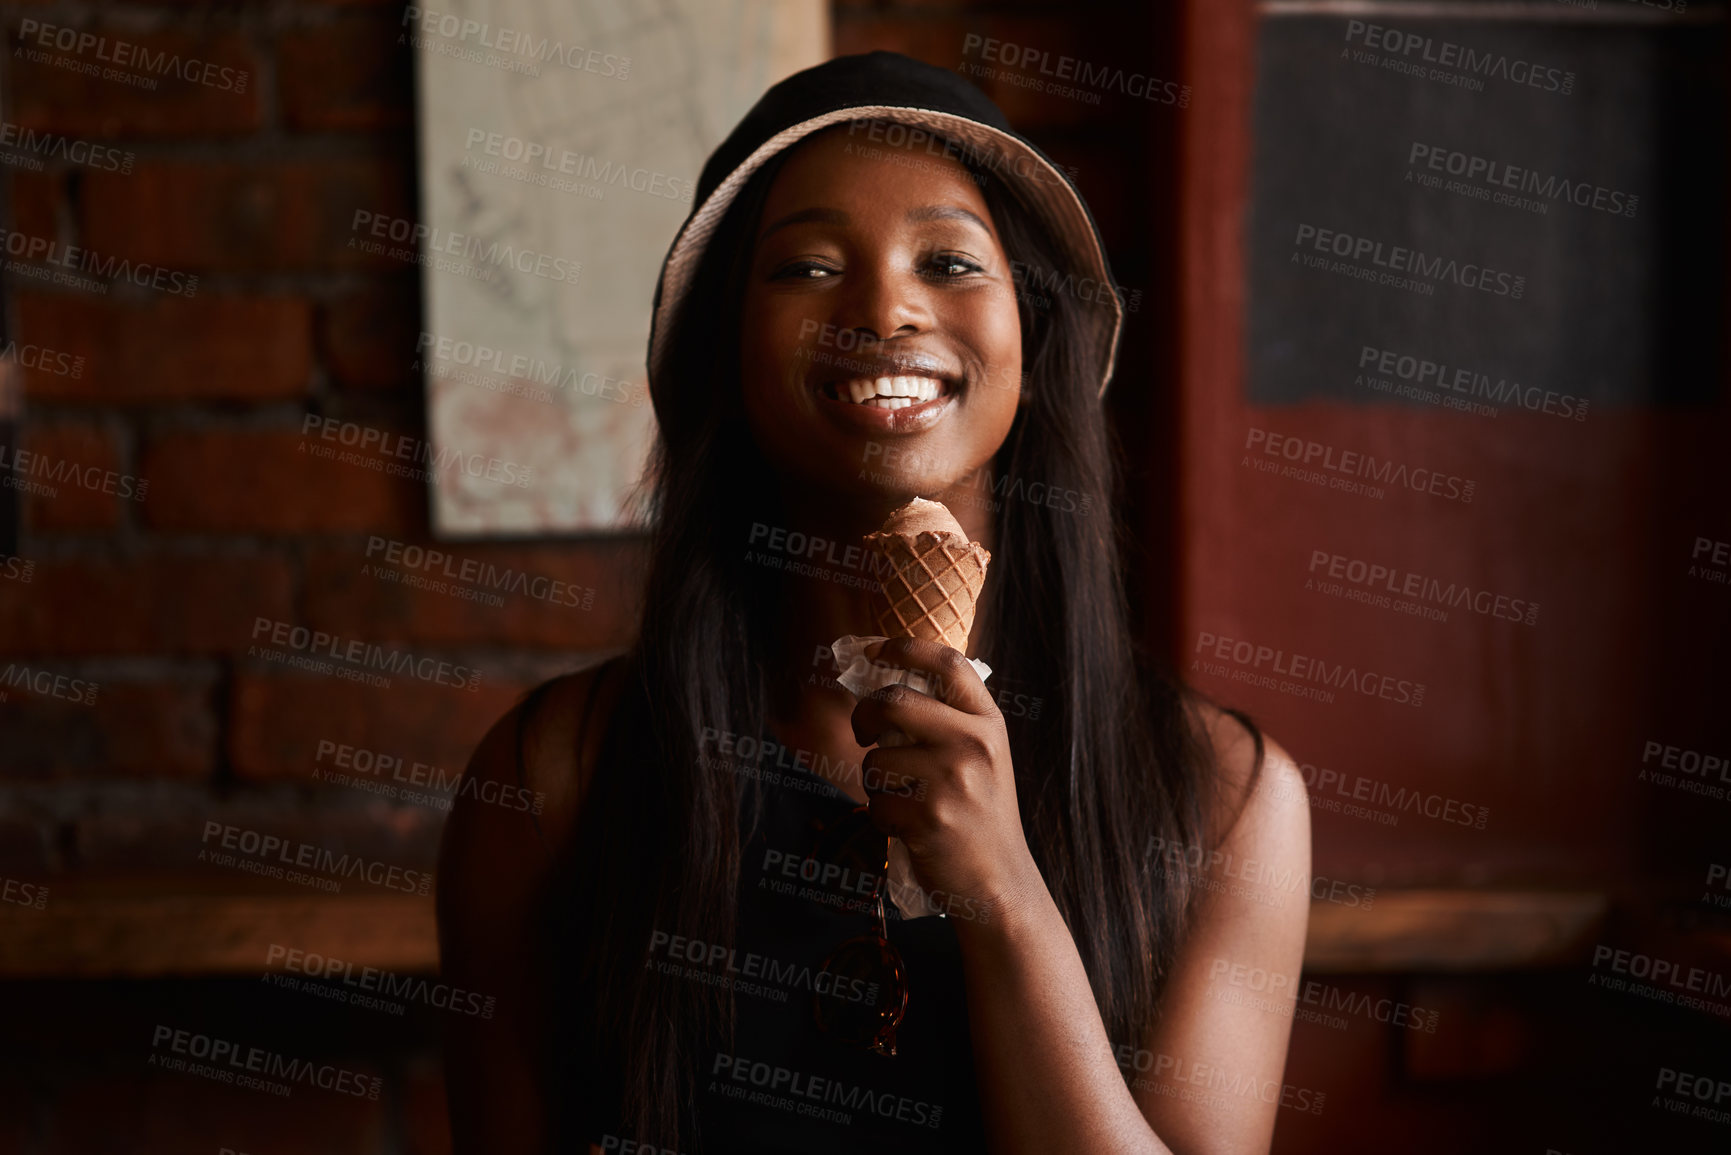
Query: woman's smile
[(903, 393), (885, 392)]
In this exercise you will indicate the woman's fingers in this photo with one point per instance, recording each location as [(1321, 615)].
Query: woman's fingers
[(900, 708), (923, 784), (953, 678), (896, 791)]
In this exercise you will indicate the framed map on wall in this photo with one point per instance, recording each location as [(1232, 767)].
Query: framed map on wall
[(560, 146)]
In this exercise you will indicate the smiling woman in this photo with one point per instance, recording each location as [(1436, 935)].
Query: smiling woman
[(840, 328), (912, 265)]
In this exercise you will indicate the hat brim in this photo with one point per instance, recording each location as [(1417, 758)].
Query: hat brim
[(1038, 183)]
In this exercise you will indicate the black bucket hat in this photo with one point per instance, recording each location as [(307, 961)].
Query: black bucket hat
[(891, 87)]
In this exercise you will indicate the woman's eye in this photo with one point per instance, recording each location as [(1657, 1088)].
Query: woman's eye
[(950, 263), (948, 266), (800, 270)]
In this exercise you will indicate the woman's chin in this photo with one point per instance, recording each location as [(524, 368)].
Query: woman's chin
[(897, 488), (866, 491)]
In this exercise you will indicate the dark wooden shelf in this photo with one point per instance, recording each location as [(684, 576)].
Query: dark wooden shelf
[(1455, 930), (163, 928)]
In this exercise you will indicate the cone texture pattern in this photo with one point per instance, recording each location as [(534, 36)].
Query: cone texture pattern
[(930, 587)]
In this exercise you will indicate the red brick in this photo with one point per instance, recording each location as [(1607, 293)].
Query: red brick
[(350, 593), (348, 75), (367, 338), (36, 201), (26, 852), (155, 1112), (164, 841), (245, 216), (79, 501), (154, 729), (277, 721), (168, 348), (63, 100), (161, 840), (251, 481), (161, 604)]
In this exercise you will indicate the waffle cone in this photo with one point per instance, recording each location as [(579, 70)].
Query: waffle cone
[(930, 586)]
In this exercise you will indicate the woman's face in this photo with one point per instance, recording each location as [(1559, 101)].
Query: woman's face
[(882, 352)]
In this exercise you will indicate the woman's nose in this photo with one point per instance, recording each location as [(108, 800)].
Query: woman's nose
[(882, 302)]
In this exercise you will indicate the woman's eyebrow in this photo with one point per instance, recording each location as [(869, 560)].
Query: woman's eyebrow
[(825, 216), (948, 213), (803, 216)]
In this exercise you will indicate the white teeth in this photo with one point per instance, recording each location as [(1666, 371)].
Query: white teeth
[(907, 390)]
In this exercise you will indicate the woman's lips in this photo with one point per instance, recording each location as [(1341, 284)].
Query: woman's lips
[(910, 408)]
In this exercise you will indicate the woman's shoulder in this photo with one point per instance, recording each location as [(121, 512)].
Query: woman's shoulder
[(542, 753), (1254, 773), (560, 726)]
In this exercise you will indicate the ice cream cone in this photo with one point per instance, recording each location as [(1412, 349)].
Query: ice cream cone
[(931, 584), (929, 589)]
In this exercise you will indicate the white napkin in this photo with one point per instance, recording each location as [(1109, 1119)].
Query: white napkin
[(863, 676)]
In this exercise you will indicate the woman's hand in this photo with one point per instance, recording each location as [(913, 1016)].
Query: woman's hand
[(949, 792)]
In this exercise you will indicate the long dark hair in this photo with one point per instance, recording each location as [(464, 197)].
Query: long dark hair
[(1112, 763)]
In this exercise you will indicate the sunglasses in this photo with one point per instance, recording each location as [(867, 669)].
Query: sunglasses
[(852, 841)]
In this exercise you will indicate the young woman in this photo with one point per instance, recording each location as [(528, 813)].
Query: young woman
[(882, 292)]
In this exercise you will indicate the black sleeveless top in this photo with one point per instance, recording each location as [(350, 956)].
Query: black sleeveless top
[(789, 1088)]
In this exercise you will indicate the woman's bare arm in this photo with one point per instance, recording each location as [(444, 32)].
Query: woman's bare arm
[(1050, 1077), (1215, 1063), (493, 874)]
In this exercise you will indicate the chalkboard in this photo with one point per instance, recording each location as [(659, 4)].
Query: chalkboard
[(1457, 213)]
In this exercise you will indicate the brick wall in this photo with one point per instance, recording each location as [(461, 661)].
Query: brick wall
[(152, 586), (196, 514)]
